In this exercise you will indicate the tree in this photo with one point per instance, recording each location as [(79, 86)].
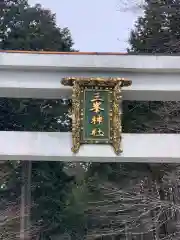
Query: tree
[(143, 199), (33, 28), (158, 32)]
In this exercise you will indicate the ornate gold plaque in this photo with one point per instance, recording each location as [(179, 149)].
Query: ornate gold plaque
[(96, 111)]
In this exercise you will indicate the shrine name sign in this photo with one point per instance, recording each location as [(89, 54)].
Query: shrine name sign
[(96, 111)]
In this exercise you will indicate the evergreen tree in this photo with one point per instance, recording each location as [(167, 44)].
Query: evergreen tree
[(138, 189), (158, 31), (33, 28), (148, 187)]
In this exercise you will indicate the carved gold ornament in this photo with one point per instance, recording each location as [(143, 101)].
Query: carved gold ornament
[(96, 111)]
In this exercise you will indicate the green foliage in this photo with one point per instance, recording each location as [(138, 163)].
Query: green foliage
[(50, 188), (58, 204), (33, 28), (158, 30), (75, 219), (34, 115)]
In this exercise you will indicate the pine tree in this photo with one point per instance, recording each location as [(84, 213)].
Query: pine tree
[(158, 30)]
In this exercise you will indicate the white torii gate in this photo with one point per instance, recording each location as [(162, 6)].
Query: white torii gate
[(39, 74)]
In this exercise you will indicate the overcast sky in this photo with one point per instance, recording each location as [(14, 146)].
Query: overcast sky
[(96, 25)]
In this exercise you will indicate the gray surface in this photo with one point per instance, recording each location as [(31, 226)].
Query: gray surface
[(138, 63), (46, 84), (57, 147)]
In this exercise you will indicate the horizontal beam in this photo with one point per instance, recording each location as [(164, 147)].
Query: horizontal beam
[(25, 75), (46, 84), (140, 63), (149, 148)]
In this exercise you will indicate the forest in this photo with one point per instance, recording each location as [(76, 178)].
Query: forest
[(94, 201)]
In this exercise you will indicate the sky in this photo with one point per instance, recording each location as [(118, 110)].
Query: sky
[(95, 25)]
